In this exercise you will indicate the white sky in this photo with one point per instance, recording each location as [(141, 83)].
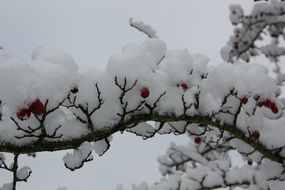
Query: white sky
[(92, 31)]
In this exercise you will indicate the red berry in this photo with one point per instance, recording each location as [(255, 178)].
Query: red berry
[(37, 107), (23, 114), (74, 90), (249, 162), (145, 92), (244, 100), (255, 134), (197, 140), (184, 86), (274, 108), (267, 103)]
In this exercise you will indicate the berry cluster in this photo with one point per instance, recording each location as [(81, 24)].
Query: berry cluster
[(266, 103), (269, 104), (36, 107)]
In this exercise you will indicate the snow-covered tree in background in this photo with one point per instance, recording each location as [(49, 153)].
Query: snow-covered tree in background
[(48, 105)]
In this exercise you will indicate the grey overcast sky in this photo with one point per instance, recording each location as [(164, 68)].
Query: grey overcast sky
[(92, 31)]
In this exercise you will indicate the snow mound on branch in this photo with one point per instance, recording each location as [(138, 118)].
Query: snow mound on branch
[(103, 98), (23, 173), (137, 61), (49, 75), (78, 157), (54, 57)]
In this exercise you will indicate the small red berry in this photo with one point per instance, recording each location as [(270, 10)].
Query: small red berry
[(23, 114), (145, 92), (197, 140), (255, 134), (37, 107), (184, 86), (74, 90), (249, 162), (267, 103), (274, 108), (244, 100)]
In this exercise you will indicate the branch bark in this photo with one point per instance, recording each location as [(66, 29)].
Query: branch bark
[(97, 135)]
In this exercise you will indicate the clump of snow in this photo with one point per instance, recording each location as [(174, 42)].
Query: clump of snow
[(236, 13), (79, 156), (54, 57), (23, 173), (102, 146), (148, 30), (144, 130)]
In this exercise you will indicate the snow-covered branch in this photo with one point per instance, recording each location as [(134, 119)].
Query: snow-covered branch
[(265, 21), (133, 89), (19, 175), (49, 105)]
